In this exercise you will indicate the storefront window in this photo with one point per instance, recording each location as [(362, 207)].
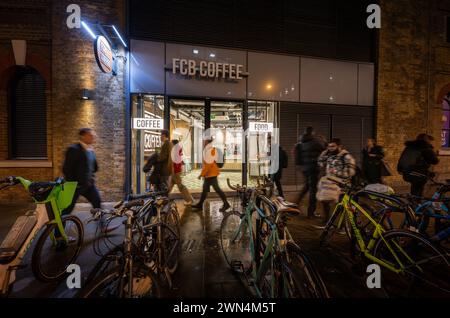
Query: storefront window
[(260, 142), (144, 142)]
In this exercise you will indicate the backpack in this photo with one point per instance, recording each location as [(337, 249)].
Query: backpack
[(284, 159), (409, 159), (220, 158)]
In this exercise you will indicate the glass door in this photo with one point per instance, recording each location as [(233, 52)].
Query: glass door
[(187, 124), (227, 124)]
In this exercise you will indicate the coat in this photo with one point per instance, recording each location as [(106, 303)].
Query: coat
[(75, 167), (165, 159), (210, 169)]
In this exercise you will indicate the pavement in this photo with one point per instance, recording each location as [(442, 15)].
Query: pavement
[(202, 271)]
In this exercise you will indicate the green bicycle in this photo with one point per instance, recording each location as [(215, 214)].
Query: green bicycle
[(258, 246), (60, 242), (410, 265)]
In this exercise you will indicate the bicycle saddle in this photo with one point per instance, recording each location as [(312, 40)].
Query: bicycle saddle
[(285, 203), (284, 208)]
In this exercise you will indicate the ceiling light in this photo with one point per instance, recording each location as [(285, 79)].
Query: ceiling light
[(195, 51)]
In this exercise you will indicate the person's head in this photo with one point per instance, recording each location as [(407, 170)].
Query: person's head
[(87, 135), (371, 142), (425, 137), (334, 146), (207, 141), (165, 135), (309, 130)]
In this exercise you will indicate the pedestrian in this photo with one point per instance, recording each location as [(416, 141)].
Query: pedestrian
[(416, 161), (153, 168), (177, 158), (307, 152), (372, 162), (277, 176), (336, 163), (80, 165), (210, 172), (165, 161)]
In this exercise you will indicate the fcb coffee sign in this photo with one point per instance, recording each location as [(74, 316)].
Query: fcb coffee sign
[(103, 54)]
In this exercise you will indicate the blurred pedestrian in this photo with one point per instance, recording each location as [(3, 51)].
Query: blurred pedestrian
[(372, 162), (177, 158)]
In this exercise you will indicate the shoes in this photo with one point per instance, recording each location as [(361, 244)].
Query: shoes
[(225, 207)]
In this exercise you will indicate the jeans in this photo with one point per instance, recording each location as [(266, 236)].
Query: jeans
[(90, 193), (207, 183), (311, 180)]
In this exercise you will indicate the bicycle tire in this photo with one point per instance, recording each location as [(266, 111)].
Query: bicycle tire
[(237, 254), (331, 227), (303, 278), (36, 262), (436, 275), (107, 280), (103, 265)]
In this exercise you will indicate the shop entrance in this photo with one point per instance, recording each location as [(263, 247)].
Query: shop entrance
[(245, 157), (189, 118)]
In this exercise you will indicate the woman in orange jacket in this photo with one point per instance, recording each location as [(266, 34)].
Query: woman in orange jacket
[(210, 172)]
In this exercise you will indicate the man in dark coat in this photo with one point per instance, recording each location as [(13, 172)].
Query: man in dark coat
[(80, 165), (307, 151), (416, 160), (165, 160)]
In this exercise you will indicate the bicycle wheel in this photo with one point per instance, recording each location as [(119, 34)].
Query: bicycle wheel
[(170, 245), (299, 278), (52, 255), (171, 217), (426, 270), (235, 242), (111, 260), (107, 285), (332, 226)]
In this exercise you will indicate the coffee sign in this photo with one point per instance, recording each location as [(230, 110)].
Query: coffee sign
[(103, 54), (207, 69)]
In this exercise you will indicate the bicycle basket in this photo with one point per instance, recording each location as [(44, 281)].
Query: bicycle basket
[(66, 194), (40, 190)]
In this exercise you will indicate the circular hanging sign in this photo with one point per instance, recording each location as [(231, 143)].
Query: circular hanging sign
[(103, 54)]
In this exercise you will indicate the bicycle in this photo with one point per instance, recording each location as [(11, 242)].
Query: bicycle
[(127, 273), (258, 246), (57, 246), (157, 231), (408, 261)]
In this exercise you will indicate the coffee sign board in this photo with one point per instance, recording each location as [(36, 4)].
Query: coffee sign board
[(103, 54), (207, 69)]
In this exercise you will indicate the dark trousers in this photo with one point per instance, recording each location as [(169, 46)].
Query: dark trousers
[(311, 179), (207, 183), (90, 193), (276, 178), (417, 184)]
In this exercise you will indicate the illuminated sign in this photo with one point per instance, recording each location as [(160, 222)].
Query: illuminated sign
[(103, 54), (148, 123), (207, 69), (260, 127)]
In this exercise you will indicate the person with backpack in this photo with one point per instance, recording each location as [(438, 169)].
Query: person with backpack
[(212, 158), (415, 162), (307, 152), (336, 163), (283, 162)]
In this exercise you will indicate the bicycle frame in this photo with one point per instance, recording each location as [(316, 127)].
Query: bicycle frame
[(44, 209), (350, 207)]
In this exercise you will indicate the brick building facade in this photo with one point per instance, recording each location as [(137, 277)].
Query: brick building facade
[(413, 68), (65, 58)]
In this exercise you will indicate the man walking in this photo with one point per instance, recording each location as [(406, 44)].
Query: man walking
[(165, 161), (307, 152), (80, 165), (339, 164), (177, 154), (415, 162), (210, 172)]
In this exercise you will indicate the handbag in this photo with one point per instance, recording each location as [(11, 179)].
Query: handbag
[(386, 170)]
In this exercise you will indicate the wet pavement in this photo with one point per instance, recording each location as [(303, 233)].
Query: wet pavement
[(203, 271)]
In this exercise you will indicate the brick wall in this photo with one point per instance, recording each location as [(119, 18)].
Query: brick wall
[(413, 65), (65, 57)]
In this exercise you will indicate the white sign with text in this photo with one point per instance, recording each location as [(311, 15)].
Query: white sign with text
[(260, 127), (148, 123)]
